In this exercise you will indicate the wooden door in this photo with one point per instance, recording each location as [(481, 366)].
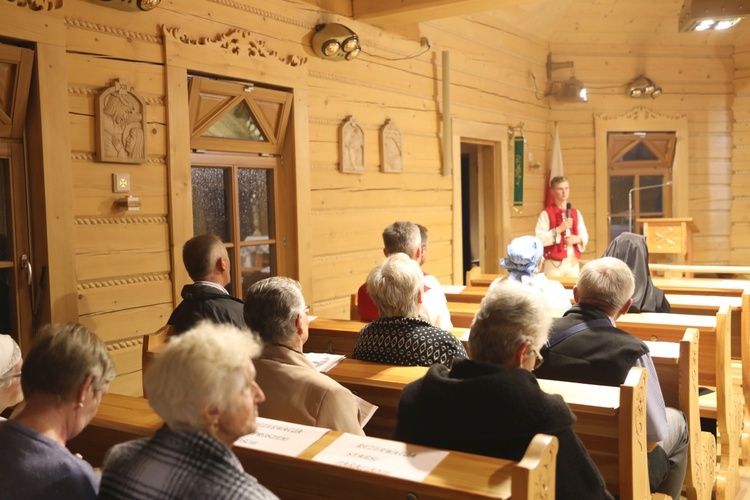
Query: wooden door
[(16, 279)]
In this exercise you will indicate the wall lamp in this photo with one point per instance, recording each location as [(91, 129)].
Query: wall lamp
[(335, 42), (710, 15), (131, 4), (571, 90), (643, 86)]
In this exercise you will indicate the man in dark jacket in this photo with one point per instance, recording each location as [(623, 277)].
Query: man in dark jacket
[(585, 346), (492, 405), (207, 262)]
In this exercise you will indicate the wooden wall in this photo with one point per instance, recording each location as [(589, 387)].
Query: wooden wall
[(128, 273), (739, 177)]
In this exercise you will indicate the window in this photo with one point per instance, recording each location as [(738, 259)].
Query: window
[(234, 185), (640, 166)]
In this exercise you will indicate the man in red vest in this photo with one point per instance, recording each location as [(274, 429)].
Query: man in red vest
[(563, 234)]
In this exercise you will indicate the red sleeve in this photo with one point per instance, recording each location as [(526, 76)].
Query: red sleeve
[(368, 311)]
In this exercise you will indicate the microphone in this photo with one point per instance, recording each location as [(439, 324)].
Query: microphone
[(568, 215), (630, 201)]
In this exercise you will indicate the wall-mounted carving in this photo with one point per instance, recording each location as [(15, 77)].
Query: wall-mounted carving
[(391, 147), (352, 144), (237, 42), (39, 4), (121, 125), (641, 113)]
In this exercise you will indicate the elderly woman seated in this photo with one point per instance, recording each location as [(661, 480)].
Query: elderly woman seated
[(65, 375), (492, 405), (399, 336), (523, 263), (203, 386), (10, 373)]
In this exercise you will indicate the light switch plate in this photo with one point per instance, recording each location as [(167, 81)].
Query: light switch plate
[(121, 183)]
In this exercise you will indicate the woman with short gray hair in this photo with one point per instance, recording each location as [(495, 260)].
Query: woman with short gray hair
[(203, 386), (399, 336), (65, 375), (10, 373)]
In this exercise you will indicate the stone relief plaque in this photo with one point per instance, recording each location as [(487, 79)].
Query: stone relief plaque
[(352, 144), (121, 125), (391, 148)]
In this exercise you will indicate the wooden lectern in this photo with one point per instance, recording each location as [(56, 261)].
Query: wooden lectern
[(670, 236)]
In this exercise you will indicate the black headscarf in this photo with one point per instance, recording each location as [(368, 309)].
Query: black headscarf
[(631, 249)]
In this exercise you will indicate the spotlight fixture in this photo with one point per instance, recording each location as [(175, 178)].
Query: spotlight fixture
[(335, 42), (571, 90), (708, 15), (643, 86), (131, 4)]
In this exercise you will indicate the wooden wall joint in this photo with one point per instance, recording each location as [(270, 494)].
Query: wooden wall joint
[(123, 281), (37, 5), (124, 344), (237, 42), (111, 30), (95, 221), (264, 13)]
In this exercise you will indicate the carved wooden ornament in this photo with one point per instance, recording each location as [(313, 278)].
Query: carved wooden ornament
[(352, 144), (121, 125), (391, 147)]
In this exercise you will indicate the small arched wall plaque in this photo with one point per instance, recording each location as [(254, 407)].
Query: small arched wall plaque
[(121, 125), (391, 147), (352, 144)]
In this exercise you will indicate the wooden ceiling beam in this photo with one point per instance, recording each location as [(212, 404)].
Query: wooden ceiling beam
[(339, 7), (394, 12)]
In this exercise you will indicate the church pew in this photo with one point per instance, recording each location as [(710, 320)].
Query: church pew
[(609, 418), (458, 476), (677, 368)]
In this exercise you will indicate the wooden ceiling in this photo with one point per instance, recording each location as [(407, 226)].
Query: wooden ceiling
[(557, 21)]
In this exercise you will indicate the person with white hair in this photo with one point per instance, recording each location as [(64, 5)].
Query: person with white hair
[(492, 404), (523, 262), (10, 373), (203, 386), (400, 336), (295, 390), (586, 346), (65, 374)]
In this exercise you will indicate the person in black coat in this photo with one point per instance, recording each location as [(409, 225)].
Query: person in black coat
[(492, 405), (632, 250), (207, 262)]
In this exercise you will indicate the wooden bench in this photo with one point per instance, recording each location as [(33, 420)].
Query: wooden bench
[(607, 416), (677, 368), (458, 476), (153, 344)]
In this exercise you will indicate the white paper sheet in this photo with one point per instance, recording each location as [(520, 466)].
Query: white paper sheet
[(381, 456), (282, 438)]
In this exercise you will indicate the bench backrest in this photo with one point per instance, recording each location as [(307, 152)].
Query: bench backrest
[(459, 475)]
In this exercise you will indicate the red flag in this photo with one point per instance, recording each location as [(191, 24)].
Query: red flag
[(555, 169)]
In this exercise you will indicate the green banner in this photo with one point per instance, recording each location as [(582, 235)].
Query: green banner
[(519, 143)]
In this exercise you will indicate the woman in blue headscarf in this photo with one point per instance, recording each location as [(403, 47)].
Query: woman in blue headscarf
[(523, 263)]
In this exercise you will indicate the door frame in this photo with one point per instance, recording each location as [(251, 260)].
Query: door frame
[(639, 119), (494, 175)]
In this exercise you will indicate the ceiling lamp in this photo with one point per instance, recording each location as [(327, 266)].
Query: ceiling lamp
[(335, 42), (643, 86), (571, 90), (712, 15)]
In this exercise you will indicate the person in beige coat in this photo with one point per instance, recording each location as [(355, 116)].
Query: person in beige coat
[(295, 390)]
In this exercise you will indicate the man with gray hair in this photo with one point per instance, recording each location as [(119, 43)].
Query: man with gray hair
[(492, 404), (295, 390), (400, 336), (586, 346), (207, 262), (407, 238)]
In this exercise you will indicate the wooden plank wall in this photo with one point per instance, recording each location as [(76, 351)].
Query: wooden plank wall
[(740, 174), (122, 260), (610, 47)]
